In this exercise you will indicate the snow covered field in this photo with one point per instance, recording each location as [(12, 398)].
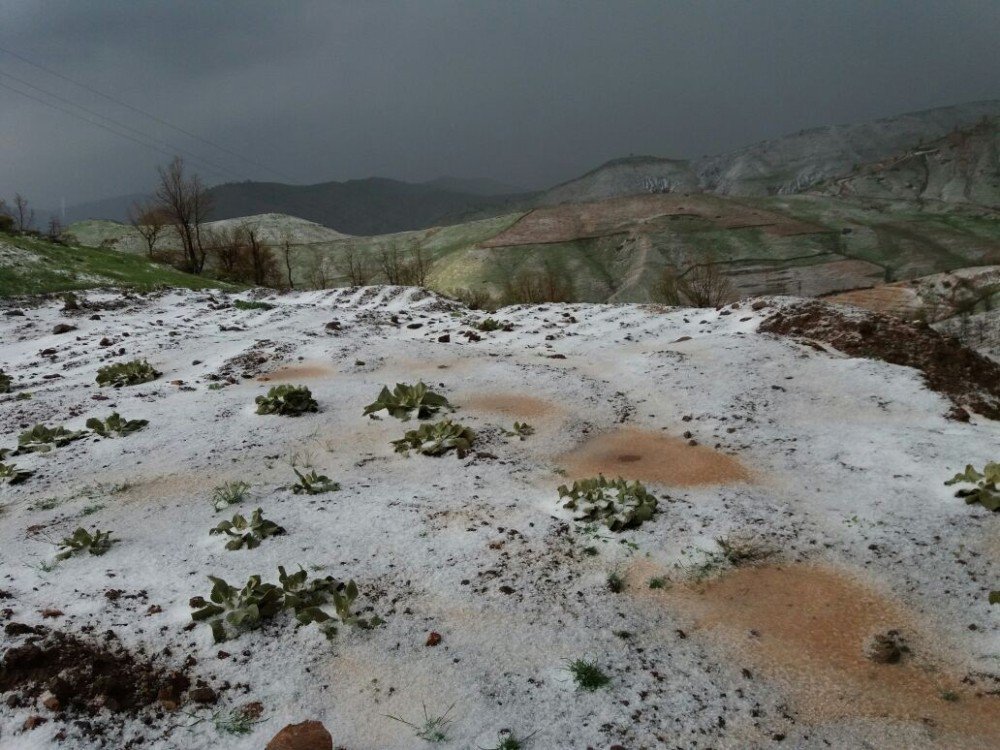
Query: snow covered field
[(822, 475)]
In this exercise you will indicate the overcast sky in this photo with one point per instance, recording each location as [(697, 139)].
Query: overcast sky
[(529, 93)]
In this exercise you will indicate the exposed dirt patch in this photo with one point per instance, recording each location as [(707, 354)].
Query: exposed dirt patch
[(968, 378), (811, 629), (303, 371), (509, 404), (87, 676), (651, 457)]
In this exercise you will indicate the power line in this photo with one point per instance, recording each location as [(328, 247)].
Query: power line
[(218, 168), (144, 113), (77, 115)]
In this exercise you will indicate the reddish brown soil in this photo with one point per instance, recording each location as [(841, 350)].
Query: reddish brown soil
[(510, 404), (652, 457), (298, 372), (968, 378), (807, 628)]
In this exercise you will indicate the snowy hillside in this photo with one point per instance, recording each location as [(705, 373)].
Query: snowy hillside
[(807, 579)]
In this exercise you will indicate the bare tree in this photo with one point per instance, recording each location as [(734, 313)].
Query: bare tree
[(534, 286), (6, 220), (316, 271), (401, 269), (24, 216), (149, 220), (263, 266), (286, 251), (55, 228), (186, 203), (702, 285), (355, 265)]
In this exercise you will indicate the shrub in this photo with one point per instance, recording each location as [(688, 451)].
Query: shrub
[(313, 483), (287, 400), (115, 425), (618, 503), (82, 541), (984, 488), (242, 304), (491, 324), (11, 474), (127, 373), (243, 533), (403, 399), (5, 382), (616, 584), (41, 439), (587, 675), (229, 493), (230, 611), (474, 299), (437, 439)]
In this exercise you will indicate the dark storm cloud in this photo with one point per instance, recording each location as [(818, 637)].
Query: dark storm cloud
[(529, 93)]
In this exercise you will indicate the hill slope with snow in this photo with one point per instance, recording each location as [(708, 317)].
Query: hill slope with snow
[(807, 579)]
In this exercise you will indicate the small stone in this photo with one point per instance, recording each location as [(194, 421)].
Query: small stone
[(33, 721), (444, 338), (433, 638), (63, 328), (50, 701), (309, 735)]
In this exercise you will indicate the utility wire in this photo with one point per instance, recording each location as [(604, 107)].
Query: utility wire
[(144, 113), (77, 115), (218, 168)]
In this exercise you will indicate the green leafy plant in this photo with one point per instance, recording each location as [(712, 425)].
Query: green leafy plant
[(229, 493), (403, 399), (287, 400), (587, 675), (432, 728), (522, 430), (620, 504), (984, 488), (247, 533), (437, 439), (12, 475), (242, 304), (127, 373), (81, 541), (313, 483), (657, 582), (115, 425), (230, 611), (5, 382), (41, 439)]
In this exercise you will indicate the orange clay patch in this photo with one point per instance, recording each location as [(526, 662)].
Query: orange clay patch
[(302, 371), (807, 628), (509, 404), (651, 457)]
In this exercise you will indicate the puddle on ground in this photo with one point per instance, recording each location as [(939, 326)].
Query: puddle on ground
[(303, 371), (807, 628), (652, 457)]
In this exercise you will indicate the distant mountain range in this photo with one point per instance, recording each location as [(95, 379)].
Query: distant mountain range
[(965, 170)]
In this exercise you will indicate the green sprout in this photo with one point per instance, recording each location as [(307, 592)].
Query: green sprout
[(432, 729), (115, 425), (616, 502), (81, 541), (229, 493), (313, 483), (984, 488), (437, 439), (587, 675), (243, 533), (41, 439), (127, 373)]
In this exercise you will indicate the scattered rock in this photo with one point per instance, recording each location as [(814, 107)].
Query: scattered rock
[(433, 638), (308, 735), (32, 722), (63, 328), (204, 695)]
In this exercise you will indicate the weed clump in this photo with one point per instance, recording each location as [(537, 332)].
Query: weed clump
[(287, 400), (403, 399), (437, 439), (522, 430), (115, 425), (492, 324), (82, 541), (984, 488), (11, 474), (616, 584), (42, 439), (5, 382), (127, 373), (247, 533), (616, 502), (587, 675), (432, 728), (229, 493)]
